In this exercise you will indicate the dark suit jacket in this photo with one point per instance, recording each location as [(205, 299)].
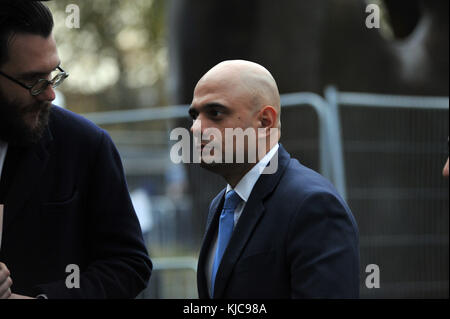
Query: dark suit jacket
[(296, 238), (67, 202)]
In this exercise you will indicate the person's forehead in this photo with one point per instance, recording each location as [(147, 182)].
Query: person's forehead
[(29, 52), (213, 95), (202, 100), (219, 89)]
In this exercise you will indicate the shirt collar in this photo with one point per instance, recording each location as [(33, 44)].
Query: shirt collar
[(3, 150), (3, 146), (246, 184)]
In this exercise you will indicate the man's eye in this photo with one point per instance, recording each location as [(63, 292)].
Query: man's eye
[(35, 78), (31, 80), (215, 113)]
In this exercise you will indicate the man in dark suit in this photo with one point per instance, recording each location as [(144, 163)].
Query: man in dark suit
[(277, 233), (69, 228)]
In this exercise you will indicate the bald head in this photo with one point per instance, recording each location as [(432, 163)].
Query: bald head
[(236, 95), (247, 79)]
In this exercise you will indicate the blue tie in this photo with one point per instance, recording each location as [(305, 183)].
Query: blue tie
[(226, 225)]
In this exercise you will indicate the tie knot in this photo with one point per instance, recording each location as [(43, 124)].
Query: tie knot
[(232, 199)]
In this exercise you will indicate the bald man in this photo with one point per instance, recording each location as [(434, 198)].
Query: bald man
[(271, 233)]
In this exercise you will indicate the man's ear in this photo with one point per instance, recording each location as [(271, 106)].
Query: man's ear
[(268, 117)]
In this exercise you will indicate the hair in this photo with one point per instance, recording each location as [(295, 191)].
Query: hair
[(22, 16)]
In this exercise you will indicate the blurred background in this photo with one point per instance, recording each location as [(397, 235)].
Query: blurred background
[(366, 107)]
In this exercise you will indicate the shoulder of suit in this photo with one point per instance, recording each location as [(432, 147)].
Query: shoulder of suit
[(301, 179), (68, 124), (217, 198)]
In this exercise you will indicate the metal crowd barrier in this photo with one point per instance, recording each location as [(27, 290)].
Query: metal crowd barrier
[(331, 151)]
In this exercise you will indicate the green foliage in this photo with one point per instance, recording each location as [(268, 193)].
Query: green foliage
[(119, 47)]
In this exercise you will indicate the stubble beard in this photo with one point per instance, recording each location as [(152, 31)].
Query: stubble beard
[(13, 128)]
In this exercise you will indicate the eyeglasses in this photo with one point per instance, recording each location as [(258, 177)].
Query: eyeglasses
[(41, 84)]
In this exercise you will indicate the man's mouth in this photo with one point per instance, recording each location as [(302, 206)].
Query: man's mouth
[(33, 113), (200, 145), (208, 145), (37, 108)]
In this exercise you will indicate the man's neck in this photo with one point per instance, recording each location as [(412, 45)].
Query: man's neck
[(235, 174)]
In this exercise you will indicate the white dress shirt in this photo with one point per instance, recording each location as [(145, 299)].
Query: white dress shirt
[(243, 189), (3, 149)]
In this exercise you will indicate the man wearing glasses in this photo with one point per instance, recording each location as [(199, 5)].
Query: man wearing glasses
[(69, 228)]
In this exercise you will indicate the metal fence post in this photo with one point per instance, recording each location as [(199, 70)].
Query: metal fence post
[(320, 107), (335, 140)]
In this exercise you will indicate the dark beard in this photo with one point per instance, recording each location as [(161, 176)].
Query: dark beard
[(13, 128)]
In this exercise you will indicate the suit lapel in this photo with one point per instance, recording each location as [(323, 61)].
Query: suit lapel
[(32, 165), (253, 211), (211, 229)]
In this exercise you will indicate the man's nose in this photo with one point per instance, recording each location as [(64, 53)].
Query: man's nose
[(47, 95), (196, 126)]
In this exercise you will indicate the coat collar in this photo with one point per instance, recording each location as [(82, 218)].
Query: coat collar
[(253, 211), (32, 164)]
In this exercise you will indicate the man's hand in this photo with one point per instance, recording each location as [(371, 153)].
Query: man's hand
[(5, 282), (445, 170), (16, 296)]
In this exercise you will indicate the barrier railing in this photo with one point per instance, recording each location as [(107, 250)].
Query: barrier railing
[(331, 152)]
